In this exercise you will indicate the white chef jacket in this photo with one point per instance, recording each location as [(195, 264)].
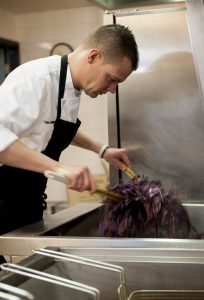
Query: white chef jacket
[(28, 103)]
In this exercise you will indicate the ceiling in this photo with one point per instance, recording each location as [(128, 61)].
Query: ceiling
[(27, 6)]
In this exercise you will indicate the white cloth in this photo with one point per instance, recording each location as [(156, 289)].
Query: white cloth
[(28, 103)]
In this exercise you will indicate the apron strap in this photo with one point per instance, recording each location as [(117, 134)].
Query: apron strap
[(63, 75)]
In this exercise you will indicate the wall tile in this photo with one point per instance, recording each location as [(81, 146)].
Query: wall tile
[(7, 25), (33, 20)]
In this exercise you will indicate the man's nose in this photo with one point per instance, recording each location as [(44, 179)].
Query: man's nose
[(112, 87)]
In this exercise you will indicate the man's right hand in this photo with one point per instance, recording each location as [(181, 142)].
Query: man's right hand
[(79, 177)]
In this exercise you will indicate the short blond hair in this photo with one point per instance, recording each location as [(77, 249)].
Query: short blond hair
[(115, 42)]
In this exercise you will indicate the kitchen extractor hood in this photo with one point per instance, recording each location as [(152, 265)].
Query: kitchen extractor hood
[(125, 4)]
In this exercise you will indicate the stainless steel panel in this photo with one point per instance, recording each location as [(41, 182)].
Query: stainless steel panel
[(23, 246), (195, 17), (160, 104)]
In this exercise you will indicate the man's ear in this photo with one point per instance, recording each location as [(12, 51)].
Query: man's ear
[(94, 54)]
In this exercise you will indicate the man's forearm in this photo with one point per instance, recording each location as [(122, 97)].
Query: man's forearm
[(83, 141), (20, 156)]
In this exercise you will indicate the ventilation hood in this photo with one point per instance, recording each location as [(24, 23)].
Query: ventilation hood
[(125, 4)]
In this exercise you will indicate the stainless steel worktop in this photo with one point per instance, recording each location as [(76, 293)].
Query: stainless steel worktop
[(73, 213)]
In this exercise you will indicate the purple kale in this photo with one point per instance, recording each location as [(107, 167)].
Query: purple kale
[(146, 211)]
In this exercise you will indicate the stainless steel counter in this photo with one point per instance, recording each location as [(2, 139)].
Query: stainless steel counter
[(75, 219), (72, 215)]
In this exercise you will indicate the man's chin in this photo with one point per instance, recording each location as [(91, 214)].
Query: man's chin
[(92, 94)]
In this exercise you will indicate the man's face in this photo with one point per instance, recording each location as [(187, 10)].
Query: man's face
[(104, 77)]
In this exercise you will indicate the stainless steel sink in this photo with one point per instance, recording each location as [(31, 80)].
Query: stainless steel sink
[(87, 224), (83, 219), (74, 227)]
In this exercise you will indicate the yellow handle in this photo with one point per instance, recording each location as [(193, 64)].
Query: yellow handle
[(130, 173), (112, 195), (60, 176)]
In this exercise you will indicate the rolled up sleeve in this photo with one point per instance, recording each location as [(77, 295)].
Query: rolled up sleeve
[(7, 138), (20, 100)]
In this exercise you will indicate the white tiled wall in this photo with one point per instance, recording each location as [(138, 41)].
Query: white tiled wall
[(37, 33), (7, 26)]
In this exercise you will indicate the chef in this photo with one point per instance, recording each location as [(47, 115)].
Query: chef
[(39, 104)]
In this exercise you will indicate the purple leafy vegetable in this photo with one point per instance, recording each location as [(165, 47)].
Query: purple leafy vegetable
[(146, 211)]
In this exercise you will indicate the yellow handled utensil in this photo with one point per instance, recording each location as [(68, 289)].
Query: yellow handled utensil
[(61, 177), (131, 174)]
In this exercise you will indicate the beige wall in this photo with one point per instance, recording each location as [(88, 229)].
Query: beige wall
[(37, 33), (7, 25)]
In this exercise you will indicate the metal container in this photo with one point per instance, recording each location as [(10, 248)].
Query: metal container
[(74, 227)]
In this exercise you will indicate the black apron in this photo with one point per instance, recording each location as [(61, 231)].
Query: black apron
[(22, 198)]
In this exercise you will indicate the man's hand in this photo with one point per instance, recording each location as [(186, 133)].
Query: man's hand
[(117, 157), (79, 177)]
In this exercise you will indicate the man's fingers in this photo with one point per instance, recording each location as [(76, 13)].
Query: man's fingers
[(81, 180)]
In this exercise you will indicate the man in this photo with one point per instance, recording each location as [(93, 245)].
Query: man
[(39, 104)]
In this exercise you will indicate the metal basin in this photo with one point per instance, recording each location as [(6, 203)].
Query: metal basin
[(87, 224), (74, 228), (83, 219)]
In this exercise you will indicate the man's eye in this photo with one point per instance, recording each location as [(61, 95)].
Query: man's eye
[(111, 80)]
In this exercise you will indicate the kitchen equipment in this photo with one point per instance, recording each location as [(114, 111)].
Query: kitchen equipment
[(160, 106), (75, 227), (14, 293), (5, 296), (45, 285), (167, 295), (155, 275), (60, 176), (101, 269)]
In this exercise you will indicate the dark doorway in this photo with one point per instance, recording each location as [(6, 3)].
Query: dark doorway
[(9, 57)]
